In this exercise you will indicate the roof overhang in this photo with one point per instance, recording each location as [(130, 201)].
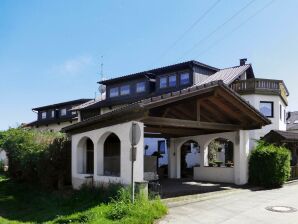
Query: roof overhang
[(205, 109)]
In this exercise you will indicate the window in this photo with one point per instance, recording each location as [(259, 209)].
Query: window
[(140, 87), (44, 115), (172, 80), (184, 78), (73, 112), (114, 92), (63, 112), (266, 108), (163, 82), (53, 113), (280, 112), (285, 116), (125, 90)]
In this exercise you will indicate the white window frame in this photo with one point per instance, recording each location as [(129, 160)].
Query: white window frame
[(53, 113), (63, 112), (44, 115)]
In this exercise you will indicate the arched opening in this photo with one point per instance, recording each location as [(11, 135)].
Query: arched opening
[(85, 156), (189, 158), (112, 156), (221, 153)]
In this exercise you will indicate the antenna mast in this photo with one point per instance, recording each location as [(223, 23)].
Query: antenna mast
[(101, 88)]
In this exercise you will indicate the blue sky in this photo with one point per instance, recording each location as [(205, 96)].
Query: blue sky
[(50, 51)]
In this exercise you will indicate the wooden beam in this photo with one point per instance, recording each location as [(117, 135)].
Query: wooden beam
[(177, 132), (198, 110), (179, 123)]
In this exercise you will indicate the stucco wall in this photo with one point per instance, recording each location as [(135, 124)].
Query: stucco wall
[(240, 141), (277, 123), (98, 137), (54, 127), (214, 174)]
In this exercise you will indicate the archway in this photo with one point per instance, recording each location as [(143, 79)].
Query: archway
[(187, 159), (221, 153), (112, 156), (85, 156)]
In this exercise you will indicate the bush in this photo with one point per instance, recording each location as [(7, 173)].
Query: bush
[(269, 165), (37, 157)]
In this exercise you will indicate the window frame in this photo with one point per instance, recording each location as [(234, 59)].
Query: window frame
[(124, 86), (272, 108), (172, 75), (166, 84), (180, 78), (43, 115), (53, 114), (114, 88), (144, 87), (61, 112)]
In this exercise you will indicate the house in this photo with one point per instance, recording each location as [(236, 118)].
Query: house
[(56, 116), (195, 107), (292, 121)]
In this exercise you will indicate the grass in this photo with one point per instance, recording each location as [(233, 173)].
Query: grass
[(23, 203)]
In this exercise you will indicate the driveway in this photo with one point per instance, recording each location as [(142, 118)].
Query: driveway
[(244, 206)]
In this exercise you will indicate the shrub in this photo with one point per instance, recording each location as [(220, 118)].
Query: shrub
[(269, 165), (37, 157)]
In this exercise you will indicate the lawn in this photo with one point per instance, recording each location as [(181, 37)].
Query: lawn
[(22, 203)]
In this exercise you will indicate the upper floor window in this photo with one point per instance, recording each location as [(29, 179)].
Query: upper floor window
[(280, 112), (44, 115), (125, 90), (172, 80), (140, 87), (184, 78), (73, 112), (114, 92), (63, 112), (163, 82), (53, 113), (266, 108)]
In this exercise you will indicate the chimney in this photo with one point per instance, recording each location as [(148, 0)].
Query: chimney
[(242, 61)]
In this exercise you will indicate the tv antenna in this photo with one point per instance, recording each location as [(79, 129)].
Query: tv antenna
[(101, 87)]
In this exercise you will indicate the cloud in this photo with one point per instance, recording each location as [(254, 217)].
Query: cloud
[(73, 66)]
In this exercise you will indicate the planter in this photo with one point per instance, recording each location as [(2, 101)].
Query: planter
[(218, 163)]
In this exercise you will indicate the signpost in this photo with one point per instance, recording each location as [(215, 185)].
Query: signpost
[(134, 137)]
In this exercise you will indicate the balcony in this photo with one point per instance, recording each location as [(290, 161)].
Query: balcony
[(261, 86)]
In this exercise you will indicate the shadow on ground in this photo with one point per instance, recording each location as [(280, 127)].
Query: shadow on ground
[(27, 203), (181, 187)]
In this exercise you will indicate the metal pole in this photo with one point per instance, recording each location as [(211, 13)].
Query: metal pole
[(132, 163)]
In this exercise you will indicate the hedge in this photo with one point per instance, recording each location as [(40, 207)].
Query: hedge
[(269, 165), (37, 157)]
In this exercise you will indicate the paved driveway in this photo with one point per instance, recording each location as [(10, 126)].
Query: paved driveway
[(241, 207)]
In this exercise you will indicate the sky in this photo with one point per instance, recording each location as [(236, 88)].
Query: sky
[(51, 51)]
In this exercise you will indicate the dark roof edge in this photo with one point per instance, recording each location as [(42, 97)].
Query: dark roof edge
[(156, 69), (60, 104)]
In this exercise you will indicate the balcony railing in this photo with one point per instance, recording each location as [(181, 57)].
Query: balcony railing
[(261, 86)]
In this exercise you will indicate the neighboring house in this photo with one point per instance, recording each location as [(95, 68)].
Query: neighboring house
[(54, 117), (190, 105), (292, 121)]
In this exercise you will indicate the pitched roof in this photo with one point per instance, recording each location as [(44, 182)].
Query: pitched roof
[(227, 75), (285, 135), (164, 99), (72, 102), (292, 121), (152, 72)]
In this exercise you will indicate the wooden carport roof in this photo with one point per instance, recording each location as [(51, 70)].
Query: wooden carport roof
[(209, 108)]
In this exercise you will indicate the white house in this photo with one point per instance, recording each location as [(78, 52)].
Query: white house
[(190, 105)]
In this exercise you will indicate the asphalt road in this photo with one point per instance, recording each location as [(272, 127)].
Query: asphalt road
[(241, 207)]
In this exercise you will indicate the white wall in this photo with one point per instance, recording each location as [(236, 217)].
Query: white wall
[(277, 123), (214, 174), (240, 141), (98, 137), (54, 127)]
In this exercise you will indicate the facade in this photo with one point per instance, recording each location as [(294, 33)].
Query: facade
[(193, 107), (54, 117)]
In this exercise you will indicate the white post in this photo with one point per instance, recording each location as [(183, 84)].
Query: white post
[(241, 153)]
